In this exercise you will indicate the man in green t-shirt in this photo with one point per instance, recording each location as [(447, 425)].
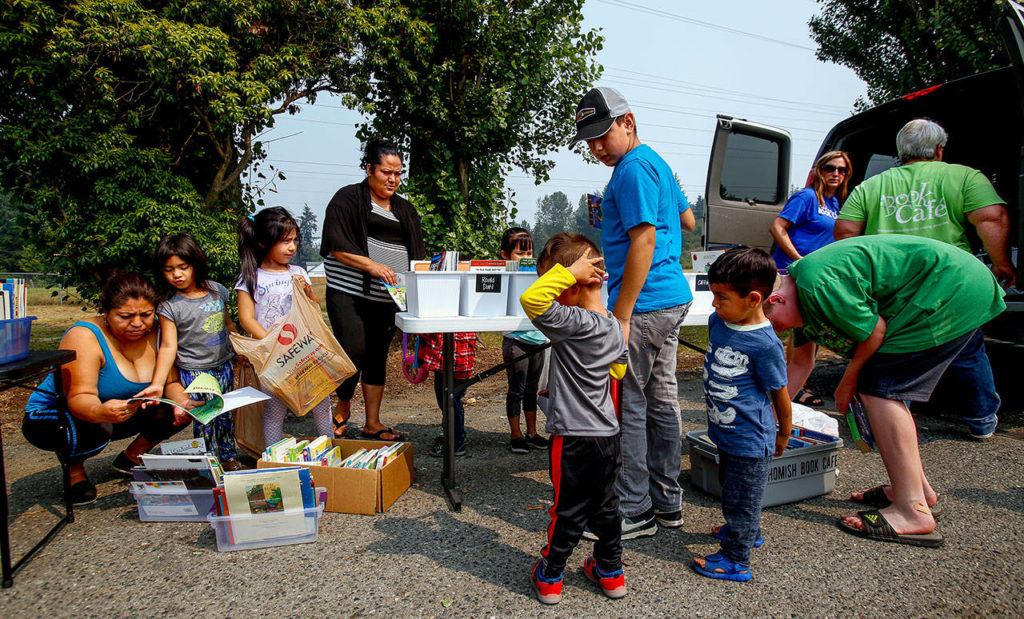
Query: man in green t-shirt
[(901, 309), (928, 198)]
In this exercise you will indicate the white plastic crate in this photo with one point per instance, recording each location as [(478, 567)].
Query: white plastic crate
[(432, 294), (798, 474), (484, 294), (518, 282), (305, 533)]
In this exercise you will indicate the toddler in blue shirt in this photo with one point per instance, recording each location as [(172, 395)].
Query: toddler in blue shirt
[(744, 376)]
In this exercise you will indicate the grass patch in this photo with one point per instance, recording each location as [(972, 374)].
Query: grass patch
[(48, 296)]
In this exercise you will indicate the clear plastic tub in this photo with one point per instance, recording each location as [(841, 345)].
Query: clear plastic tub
[(188, 506), (14, 338), (247, 532)]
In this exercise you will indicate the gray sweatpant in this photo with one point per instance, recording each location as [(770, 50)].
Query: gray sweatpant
[(651, 431)]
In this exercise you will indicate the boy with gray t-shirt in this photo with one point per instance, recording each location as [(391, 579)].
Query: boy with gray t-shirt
[(587, 344)]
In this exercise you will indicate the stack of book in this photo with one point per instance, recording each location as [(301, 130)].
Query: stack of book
[(13, 299), (445, 261), (176, 486), (372, 458), (317, 451)]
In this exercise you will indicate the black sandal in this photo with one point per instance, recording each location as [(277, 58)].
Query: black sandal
[(339, 424), (808, 398)]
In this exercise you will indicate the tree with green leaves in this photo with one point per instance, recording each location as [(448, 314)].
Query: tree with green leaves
[(309, 247), (554, 215), (900, 46), (124, 120), (474, 89)]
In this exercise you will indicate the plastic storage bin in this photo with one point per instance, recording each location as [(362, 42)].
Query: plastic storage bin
[(432, 294), (484, 294), (224, 527), (188, 506), (518, 282), (800, 473), (14, 338)]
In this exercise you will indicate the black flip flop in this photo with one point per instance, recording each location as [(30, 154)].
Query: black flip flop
[(875, 497), (339, 424), (808, 398), (379, 435), (876, 527)]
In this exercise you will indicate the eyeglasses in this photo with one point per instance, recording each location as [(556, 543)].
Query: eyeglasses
[(833, 168)]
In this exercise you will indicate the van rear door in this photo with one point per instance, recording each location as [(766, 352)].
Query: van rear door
[(748, 182)]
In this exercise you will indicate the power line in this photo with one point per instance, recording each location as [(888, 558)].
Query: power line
[(704, 24)]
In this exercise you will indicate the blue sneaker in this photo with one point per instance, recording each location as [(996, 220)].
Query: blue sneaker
[(717, 566)]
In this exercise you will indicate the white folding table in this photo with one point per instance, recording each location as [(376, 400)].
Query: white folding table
[(447, 326)]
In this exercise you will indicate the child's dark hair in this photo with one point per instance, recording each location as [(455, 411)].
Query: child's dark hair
[(376, 149), (516, 239), (257, 235), (122, 286), (185, 247), (565, 248), (744, 269)]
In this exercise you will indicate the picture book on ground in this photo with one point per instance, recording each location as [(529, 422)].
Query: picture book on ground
[(219, 404), (268, 503)]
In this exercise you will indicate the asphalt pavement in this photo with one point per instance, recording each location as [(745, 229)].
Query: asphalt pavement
[(421, 559)]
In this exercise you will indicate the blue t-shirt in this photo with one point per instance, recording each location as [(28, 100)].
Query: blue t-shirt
[(643, 190), (743, 365), (812, 224)]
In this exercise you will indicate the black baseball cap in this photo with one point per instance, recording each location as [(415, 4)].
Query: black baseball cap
[(596, 112)]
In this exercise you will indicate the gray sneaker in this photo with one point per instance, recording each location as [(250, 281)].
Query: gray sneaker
[(670, 520), (643, 525)]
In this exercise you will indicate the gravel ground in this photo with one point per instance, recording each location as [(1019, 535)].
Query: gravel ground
[(420, 559)]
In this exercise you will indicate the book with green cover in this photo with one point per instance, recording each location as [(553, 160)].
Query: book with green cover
[(219, 404)]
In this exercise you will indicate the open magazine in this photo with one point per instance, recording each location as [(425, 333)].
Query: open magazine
[(218, 404)]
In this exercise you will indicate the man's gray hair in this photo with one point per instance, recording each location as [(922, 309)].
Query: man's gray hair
[(918, 139)]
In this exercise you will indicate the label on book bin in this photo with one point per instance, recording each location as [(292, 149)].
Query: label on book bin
[(700, 283), (487, 282)]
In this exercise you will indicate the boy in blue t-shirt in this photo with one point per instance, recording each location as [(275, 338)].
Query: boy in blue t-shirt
[(744, 376)]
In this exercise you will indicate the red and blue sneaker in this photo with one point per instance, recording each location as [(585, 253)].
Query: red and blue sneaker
[(549, 590), (613, 584)]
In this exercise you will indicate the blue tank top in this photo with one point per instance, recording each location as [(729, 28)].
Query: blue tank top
[(111, 384)]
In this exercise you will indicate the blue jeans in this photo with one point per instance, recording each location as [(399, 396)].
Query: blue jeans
[(970, 376), (460, 410), (743, 483), (651, 433)]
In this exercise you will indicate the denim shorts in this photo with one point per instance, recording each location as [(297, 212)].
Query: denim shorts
[(910, 376)]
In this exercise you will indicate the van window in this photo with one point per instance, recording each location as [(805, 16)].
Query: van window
[(750, 170), (878, 164)]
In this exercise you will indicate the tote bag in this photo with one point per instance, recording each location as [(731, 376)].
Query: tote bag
[(299, 360)]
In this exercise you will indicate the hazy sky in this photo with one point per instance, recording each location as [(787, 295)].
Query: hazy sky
[(678, 63)]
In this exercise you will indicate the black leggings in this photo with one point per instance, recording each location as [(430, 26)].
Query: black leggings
[(364, 329), (75, 440), (523, 377)]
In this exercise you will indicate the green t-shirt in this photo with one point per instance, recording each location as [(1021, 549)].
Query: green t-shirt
[(928, 292), (927, 198)]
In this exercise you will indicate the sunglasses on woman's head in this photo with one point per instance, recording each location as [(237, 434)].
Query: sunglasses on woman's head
[(834, 168)]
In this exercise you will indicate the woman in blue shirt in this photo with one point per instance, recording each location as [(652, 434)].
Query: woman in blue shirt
[(805, 225)]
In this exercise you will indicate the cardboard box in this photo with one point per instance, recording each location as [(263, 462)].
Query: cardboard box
[(360, 491)]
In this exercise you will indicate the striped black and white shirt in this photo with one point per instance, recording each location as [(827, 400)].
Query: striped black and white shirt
[(384, 245)]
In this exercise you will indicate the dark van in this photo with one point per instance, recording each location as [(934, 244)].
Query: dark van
[(749, 178)]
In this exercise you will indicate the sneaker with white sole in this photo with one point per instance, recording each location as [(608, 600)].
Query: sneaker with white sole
[(669, 520), (633, 527), (548, 590), (613, 584), (518, 445), (643, 525)]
